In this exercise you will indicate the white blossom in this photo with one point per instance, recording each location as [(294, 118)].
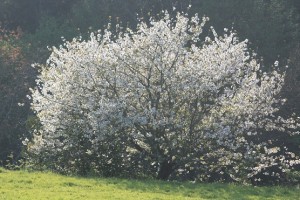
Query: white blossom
[(164, 92)]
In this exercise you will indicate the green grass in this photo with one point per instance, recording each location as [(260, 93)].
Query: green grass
[(37, 185)]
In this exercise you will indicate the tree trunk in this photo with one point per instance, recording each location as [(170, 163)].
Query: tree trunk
[(165, 170)]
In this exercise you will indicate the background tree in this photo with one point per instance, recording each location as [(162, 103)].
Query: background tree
[(14, 86)]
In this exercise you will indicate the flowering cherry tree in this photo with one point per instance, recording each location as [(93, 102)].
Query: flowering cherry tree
[(159, 101)]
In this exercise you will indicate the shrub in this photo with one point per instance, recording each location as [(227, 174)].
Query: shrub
[(159, 102)]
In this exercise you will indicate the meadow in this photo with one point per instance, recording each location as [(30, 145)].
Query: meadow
[(45, 185)]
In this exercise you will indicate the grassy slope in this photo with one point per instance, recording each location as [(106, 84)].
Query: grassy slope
[(26, 185)]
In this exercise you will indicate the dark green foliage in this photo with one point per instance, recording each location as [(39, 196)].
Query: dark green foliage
[(50, 32), (15, 78), (27, 14)]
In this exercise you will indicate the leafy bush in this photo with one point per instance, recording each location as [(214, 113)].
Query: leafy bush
[(159, 102)]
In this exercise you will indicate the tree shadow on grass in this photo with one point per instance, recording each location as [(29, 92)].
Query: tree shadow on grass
[(206, 190)]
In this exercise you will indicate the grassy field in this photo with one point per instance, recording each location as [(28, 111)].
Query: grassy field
[(36, 185)]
